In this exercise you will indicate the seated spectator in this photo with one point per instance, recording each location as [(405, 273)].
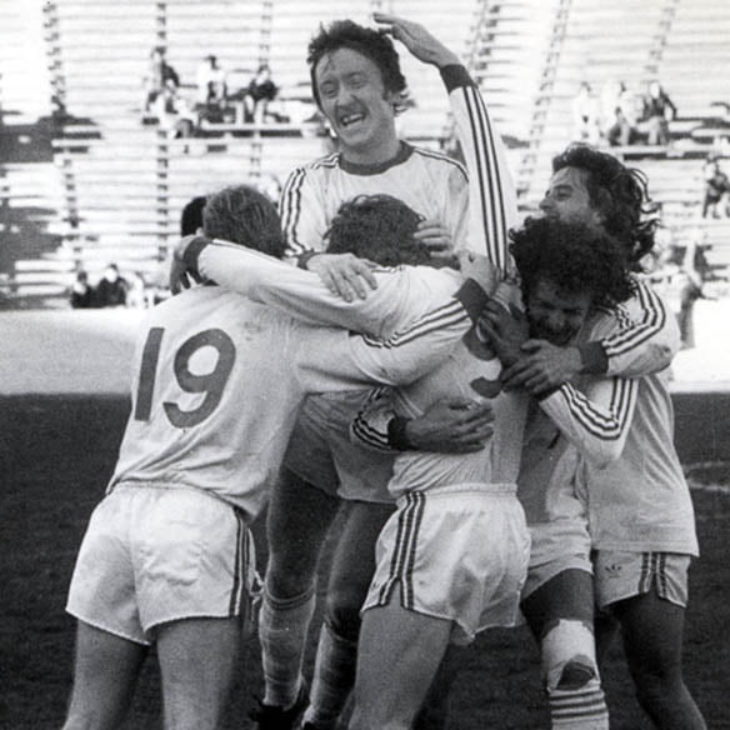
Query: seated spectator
[(160, 77), (175, 116), (260, 92), (717, 186), (659, 110), (211, 83), (618, 114), (82, 294), (111, 291)]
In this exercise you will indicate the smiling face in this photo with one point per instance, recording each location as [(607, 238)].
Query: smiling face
[(567, 198), (354, 99), (556, 315)]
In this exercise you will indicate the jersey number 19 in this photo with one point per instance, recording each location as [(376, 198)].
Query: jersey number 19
[(211, 384)]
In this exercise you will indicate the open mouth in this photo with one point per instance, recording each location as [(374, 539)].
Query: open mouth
[(349, 120)]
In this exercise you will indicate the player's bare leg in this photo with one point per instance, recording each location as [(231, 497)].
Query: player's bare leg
[(352, 570), (652, 630), (105, 673), (198, 658), (298, 519), (399, 654)]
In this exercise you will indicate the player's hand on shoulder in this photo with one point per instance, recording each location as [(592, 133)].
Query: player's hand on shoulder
[(506, 331), (344, 274), (452, 425), (424, 46)]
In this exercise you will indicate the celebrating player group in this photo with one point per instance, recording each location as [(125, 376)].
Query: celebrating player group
[(482, 400)]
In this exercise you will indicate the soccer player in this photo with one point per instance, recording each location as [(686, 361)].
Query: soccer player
[(638, 338), (429, 569), (358, 85), (640, 516), (249, 277), (167, 558)]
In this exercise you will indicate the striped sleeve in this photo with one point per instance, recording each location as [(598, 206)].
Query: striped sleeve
[(330, 360), (596, 419), (492, 195), (301, 211), (301, 294), (370, 426), (647, 336)]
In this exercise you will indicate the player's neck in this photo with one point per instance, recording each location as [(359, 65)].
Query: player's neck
[(370, 166), (381, 153)]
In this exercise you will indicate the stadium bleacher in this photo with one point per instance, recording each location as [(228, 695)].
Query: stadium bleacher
[(115, 183)]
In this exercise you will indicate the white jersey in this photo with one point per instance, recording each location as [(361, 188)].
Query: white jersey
[(462, 374), (642, 338), (429, 182), (629, 474), (219, 381)]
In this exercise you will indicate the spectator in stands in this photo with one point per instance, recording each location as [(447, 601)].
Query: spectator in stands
[(618, 114), (111, 291), (211, 82), (717, 186), (659, 110), (261, 91), (81, 292), (160, 77), (585, 116)]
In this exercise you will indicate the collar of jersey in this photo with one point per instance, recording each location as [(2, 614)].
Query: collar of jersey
[(404, 152)]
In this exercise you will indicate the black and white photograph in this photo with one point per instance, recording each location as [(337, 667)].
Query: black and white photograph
[(364, 366)]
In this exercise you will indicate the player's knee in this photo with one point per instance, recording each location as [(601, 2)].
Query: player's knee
[(284, 582), (343, 619), (569, 655)]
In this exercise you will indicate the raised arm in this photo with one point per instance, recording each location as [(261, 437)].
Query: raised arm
[(492, 195)]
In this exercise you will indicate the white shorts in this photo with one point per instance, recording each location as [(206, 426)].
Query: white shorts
[(620, 575), (152, 555), (556, 547), (459, 553), (320, 451)]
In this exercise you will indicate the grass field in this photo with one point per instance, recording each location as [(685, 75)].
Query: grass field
[(56, 455)]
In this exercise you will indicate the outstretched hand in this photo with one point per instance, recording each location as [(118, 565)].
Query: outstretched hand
[(417, 40)]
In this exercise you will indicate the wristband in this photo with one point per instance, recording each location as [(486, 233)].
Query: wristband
[(397, 438), (304, 258)]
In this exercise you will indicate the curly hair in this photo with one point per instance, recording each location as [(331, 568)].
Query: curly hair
[(243, 215), (619, 193), (576, 258), (370, 43), (379, 228)]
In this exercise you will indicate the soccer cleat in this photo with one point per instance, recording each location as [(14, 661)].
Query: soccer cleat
[(274, 717)]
